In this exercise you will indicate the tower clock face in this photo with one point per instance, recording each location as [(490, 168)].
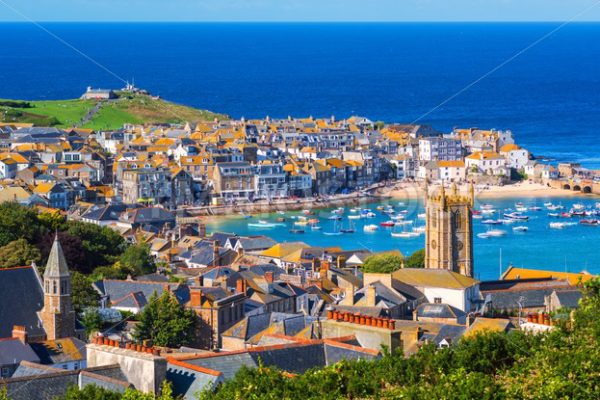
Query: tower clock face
[(433, 244)]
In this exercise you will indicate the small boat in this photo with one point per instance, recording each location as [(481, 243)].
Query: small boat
[(578, 206), (491, 222), (484, 235), (507, 221), (315, 227), (334, 217), (554, 215), (401, 204), (301, 223), (476, 216), (520, 228), (486, 207), (332, 233), (555, 207), (476, 212), (262, 224), (535, 208), (548, 204), (488, 212), (388, 224), (280, 219), (560, 225), (521, 209), (370, 228), (350, 228), (422, 216), (496, 232), (404, 235), (297, 231), (353, 216), (589, 222), (419, 229), (565, 215), (379, 208), (397, 217), (406, 222), (577, 213), (517, 216), (354, 210), (519, 204), (313, 221), (370, 215)]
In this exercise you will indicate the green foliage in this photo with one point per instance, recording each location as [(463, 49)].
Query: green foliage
[(90, 392), (93, 392), (52, 221), (102, 245), (561, 364), (165, 322), (384, 263), (3, 394), (18, 253), (83, 295), (18, 222), (416, 259), (136, 259), (91, 320)]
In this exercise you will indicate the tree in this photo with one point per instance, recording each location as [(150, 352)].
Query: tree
[(165, 322), (3, 394), (53, 221), (137, 260), (91, 321), (90, 392), (72, 248), (102, 245), (18, 222), (18, 253), (83, 295), (384, 263), (416, 259)]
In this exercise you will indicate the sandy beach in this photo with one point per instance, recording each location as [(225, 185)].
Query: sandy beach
[(521, 189)]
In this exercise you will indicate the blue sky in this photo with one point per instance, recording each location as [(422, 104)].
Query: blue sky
[(298, 10)]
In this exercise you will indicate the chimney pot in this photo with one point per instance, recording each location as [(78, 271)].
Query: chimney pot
[(269, 276), (20, 332)]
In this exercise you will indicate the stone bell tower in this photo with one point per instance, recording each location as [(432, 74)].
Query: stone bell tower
[(58, 316), (449, 230)]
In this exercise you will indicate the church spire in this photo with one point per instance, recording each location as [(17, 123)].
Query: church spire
[(57, 264)]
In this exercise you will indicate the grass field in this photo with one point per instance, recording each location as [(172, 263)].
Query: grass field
[(135, 109)]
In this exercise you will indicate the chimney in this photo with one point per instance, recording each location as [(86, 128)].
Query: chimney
[(269, 276), (201, 230), (195, 297), (341, 262), (216, 253), (370, 296), (199, 281), (348, 299), (240, 285), (20, 332)]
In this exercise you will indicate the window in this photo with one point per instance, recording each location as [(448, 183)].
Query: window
[(437, 300)]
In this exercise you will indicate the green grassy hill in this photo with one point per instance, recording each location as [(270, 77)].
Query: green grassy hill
[(137, 109)]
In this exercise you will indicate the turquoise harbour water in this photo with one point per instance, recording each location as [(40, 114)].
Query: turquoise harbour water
[(573, 248)]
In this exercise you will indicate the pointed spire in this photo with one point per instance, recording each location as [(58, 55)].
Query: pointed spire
[(57, 264)]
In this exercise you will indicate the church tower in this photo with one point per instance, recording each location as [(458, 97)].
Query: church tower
[(449, 231), (58, 316)]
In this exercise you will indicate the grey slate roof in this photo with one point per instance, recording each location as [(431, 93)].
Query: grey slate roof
[(22, 298), (110, 212), (188, 382), (56, 267), (569, 298), (13, 351), (430, 310)]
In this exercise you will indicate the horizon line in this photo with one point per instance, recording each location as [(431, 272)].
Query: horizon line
[(300, 22)]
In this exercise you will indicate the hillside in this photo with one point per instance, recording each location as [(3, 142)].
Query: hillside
[(107, 114)]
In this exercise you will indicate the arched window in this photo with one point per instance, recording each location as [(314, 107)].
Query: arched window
[(54, 287)]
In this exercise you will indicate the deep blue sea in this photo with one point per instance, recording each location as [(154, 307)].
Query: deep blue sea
[(549, 96)]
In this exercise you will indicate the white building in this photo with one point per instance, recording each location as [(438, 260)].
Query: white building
[(439, 148), (452, 171), (516, 157), (487, 163)]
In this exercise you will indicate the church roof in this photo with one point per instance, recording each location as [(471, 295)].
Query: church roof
[(57, 265)]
